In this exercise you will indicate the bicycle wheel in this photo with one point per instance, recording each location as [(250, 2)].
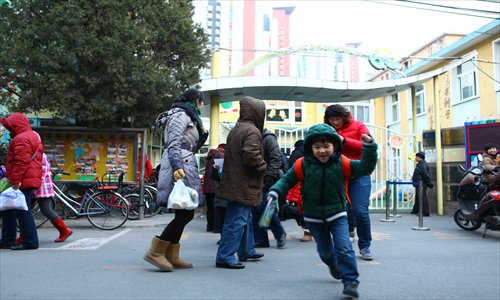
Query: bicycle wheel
[(107, 210), (40, 218), (152, 207), (134, 204)]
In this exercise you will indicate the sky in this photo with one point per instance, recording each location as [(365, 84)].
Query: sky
[(381, 24)]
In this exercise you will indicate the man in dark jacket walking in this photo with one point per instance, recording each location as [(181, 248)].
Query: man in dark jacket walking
[(272, 156), (241, 184), (421, 173)]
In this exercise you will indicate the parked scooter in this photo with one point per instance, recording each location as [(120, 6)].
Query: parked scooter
[(479, 200)]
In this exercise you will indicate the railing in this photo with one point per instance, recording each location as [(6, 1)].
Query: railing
[(394, 163)]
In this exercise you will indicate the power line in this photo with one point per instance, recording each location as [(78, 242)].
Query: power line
[(326, 54), (435, 10), (452, 7), (488, 75)]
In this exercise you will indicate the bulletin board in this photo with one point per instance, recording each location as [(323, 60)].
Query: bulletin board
[(86, 154)]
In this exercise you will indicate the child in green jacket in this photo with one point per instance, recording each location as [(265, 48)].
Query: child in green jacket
[(324, 198)]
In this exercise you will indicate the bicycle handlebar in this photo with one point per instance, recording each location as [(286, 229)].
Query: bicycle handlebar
[(60, 172)]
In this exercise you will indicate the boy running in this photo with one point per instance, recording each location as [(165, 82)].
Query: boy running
[(324, 199)]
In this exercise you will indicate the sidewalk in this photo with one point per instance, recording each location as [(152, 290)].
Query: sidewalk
[(159, 220)]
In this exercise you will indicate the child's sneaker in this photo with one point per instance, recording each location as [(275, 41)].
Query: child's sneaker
[(334, 271), (366, 254), (351, 290)]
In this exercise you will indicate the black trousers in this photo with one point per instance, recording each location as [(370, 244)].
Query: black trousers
[(209, 200), (174, 229), (425, 208)]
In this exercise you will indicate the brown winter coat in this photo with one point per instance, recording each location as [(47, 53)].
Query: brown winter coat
[(244, 166), (490, 163), (24, 158)]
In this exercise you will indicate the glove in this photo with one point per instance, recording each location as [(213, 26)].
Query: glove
[(431, 186), (272, 195), (179, 174)]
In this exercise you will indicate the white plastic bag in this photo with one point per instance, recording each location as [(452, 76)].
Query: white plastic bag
[(183, 197), (12, 199)]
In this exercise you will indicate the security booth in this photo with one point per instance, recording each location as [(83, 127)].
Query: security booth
[(453, 155), (476, 137)]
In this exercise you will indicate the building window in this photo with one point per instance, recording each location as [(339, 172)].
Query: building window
[(359, 111), (496, 58), (284, 111), (395, 108), (467, 80), (420, 99)]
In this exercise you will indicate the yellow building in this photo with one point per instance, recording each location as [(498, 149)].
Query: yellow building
[(466, 87)]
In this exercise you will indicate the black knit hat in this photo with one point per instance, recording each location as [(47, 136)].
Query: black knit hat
[(193, 94), (489, 146), (420, 154)]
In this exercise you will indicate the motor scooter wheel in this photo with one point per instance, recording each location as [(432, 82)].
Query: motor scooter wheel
[(465, 224)]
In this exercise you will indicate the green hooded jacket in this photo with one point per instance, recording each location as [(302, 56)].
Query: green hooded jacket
[(323, 190)]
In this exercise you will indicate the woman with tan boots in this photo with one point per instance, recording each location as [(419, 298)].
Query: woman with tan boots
[(184, 136)]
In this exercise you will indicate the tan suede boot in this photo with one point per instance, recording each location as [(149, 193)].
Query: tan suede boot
[(156, 254), (172, 255)]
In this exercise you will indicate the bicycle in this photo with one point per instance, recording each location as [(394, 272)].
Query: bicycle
[(151, 208), (104, 208)]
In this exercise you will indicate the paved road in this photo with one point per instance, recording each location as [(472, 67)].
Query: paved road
[(443, 263)]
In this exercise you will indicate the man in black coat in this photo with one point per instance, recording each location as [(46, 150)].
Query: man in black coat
[(421, 173)]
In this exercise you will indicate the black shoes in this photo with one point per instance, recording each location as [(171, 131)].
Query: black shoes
[(334, 271), (5, 246), (261, 245), (351, 291), (235, 265), (255, 256), (281, 241), (23, 247)]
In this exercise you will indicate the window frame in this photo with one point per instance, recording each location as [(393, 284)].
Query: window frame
[(395, 108), (290, 106), (420, 99), (467, 79), (354, 110)]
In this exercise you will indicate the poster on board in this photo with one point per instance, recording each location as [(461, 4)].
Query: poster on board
[(86, 156)]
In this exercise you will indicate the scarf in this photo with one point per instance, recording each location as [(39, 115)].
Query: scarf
[(194, 113)]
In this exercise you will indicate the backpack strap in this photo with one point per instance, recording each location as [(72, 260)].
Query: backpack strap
[(346, 171), (297, 168), (346, 166)]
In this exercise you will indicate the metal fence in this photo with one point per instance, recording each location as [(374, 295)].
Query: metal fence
[(394, 163)]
